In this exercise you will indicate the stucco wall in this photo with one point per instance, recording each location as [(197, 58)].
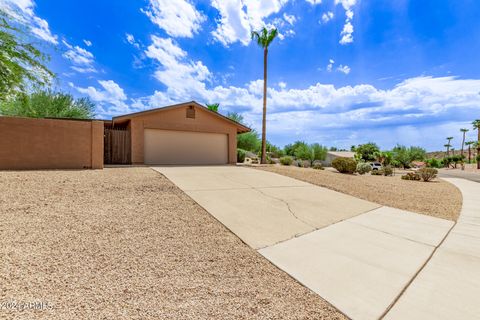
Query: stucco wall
[(175, 119), (28, 143)]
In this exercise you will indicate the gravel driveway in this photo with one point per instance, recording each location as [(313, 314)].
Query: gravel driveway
[(125, 243), (438, 198)]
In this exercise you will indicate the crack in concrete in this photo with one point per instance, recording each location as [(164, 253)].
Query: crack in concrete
[(288, 207)]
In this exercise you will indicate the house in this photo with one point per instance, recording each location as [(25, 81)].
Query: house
[(332, 155), (181, 134)]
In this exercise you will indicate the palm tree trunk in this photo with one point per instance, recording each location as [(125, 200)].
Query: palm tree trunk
[(264, 119), (469, 154), (463, 143)]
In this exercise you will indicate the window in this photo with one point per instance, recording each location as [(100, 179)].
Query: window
[(191, 112)]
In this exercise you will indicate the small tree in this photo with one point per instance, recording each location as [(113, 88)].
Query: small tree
[(48, 104), (22, 66), (235, 116), (249, 141), (367, 152)]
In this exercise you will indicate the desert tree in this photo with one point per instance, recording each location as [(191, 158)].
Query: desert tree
[(476, 126)]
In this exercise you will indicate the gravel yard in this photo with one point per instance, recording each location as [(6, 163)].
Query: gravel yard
[(437, 198), (125, 243)]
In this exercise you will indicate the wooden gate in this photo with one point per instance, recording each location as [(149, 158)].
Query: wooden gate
[(117, 146)]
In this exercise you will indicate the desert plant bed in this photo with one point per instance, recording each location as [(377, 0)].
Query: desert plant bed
[(437, 198), (125, 243)]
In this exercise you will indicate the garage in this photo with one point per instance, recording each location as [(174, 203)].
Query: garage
[(182, 134), (184, 148)]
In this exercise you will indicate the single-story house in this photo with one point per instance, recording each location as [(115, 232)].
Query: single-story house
[(181, 134), (332, 155)]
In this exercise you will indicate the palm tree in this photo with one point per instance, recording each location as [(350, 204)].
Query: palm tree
[(469, 144), (464, 131), (213, 107), (264, 38), (448, 145), (448, 149), (476, 126)]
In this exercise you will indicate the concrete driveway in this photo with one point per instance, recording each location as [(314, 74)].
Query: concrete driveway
[(357, 255), (263, 208)]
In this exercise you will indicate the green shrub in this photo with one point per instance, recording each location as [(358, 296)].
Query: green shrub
[(411, 176), (344, 165), (376, 173), (477, 158), (387, 171), (363, 168), (434, 163), (241, 155), (286, 161), (306, 164), (428, 174)]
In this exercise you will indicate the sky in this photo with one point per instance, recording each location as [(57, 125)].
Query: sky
[(341, 72)]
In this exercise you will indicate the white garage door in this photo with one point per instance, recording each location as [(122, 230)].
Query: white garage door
[(182, 147)]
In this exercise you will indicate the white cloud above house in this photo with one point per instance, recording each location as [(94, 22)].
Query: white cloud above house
[(110, 98), (239, 17), (24, 12), (179, 18), (88, 43), (82, 60)]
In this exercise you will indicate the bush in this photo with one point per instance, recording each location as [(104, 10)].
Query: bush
[(434, 163), (344, 165), (477, 158), (376, 173), (387, 171), (286, 161), (241, 155), (411, 176), (428, 174), (318, 166), (363, 168), (306, 163)]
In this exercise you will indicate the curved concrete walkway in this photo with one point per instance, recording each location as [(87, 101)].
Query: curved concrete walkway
[(449, 285), (357, 255)]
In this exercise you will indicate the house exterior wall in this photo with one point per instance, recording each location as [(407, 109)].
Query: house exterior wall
[(175, 119), (29, 143)]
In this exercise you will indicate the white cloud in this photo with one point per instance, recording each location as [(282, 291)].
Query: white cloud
[(179, 18), (82, 60), (347, 31), (291, 19), (87, 43), (282, 85), (110, 98), (344, 69), (330, 64), (178, 73), (24, 12), (314, 2), (131, 39), (327, 16), (239, 17)]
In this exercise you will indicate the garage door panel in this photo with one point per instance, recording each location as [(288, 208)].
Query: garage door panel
[(182, 147)]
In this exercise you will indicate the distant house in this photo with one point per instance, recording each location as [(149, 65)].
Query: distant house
[(332, 155)]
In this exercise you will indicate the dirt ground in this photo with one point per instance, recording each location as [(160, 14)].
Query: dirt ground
[(125, 243), (437, 198)]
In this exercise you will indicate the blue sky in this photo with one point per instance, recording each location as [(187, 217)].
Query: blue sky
[(342, 72)]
